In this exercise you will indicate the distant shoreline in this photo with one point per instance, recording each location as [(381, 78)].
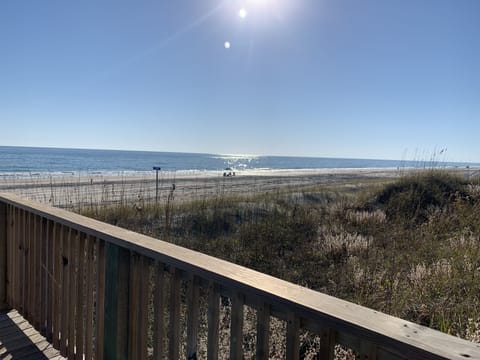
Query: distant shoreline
[(68, 191)]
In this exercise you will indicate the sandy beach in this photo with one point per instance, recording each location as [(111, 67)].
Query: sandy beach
[(68, 191)]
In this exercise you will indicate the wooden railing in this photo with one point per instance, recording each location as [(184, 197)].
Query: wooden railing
[(99, 291)]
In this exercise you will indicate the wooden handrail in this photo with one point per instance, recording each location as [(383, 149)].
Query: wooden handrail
[(62, 257)]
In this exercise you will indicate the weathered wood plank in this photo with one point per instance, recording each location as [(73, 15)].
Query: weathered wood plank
[(16, 260), (100, 305), (44, 277), (327, 344), (64, 275), (57, 288), (158, 310), (144, 299), (3, 255), (213, 320), (89, 296), (38, 271), (23, 267), (117, 292), (193, 308), (10, 256), (49, 280), (31, 267), (28, 268), (134, 306), (19, 340), (174, 334), (293, 337), (236, 327), (80, 299), (263, 331), (72, 263), (368, 351)]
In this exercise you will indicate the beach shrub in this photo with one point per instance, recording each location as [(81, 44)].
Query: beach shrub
[(409, 247), (413, 197)]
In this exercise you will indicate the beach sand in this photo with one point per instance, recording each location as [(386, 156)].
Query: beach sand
[(70, 191)]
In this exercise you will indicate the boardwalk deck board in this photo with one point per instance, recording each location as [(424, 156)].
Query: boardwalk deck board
[(19, 340)]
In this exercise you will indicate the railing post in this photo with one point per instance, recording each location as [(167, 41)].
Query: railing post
[(117, 288), (3, 256)]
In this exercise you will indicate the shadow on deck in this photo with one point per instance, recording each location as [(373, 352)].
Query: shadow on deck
[(19, 340)]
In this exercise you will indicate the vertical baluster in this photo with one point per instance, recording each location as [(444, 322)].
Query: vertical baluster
[(57, 303), (38, 271), (158, 308), (15, 285), (89, 314), (80, 328), (174, 341), (31, 267), (327, 344), (18, 257), (236, 328), (72, 262), (44, 278), (134, 306), (144, 297), (293, 339), (27, 268), (263, 331), (3, 256), (9, 244), (100, 309), (64, 275), (193, 317), (117, 287), (368, 350), (23, 277), (213, 321), (49, 279)]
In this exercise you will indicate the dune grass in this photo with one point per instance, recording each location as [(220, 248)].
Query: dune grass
[(408, 247)]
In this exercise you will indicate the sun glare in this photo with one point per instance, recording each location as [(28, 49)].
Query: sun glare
[(226, 44), (242, 13)]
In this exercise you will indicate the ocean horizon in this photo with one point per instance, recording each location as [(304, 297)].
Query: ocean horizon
[(21, 162)]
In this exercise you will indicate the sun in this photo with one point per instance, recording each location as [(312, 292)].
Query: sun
[(242, 13)]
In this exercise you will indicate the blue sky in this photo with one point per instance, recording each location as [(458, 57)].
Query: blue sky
[(392, 79)]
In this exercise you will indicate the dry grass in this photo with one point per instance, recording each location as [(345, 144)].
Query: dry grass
[(409, 248)]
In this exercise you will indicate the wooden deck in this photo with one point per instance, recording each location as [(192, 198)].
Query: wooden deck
[(19, 340)]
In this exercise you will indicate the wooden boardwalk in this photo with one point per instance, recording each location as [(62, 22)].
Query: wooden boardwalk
[(19, 340)]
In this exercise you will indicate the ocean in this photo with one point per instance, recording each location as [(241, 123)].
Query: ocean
[(24, 162)]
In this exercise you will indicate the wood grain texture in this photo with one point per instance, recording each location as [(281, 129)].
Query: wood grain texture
[(158, 312), (174, 326), (263, 331), (117, 292), (236, 327), (100, 303), (193, 309), (3, 256), (19, 340), (213, 321), (89, 295), (293, 337)]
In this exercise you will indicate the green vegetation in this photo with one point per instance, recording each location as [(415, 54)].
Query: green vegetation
[(410, 248)]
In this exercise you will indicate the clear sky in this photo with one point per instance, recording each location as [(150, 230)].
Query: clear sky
[(391, 79)]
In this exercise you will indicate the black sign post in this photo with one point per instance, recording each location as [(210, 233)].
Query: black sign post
[(157, 169)]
